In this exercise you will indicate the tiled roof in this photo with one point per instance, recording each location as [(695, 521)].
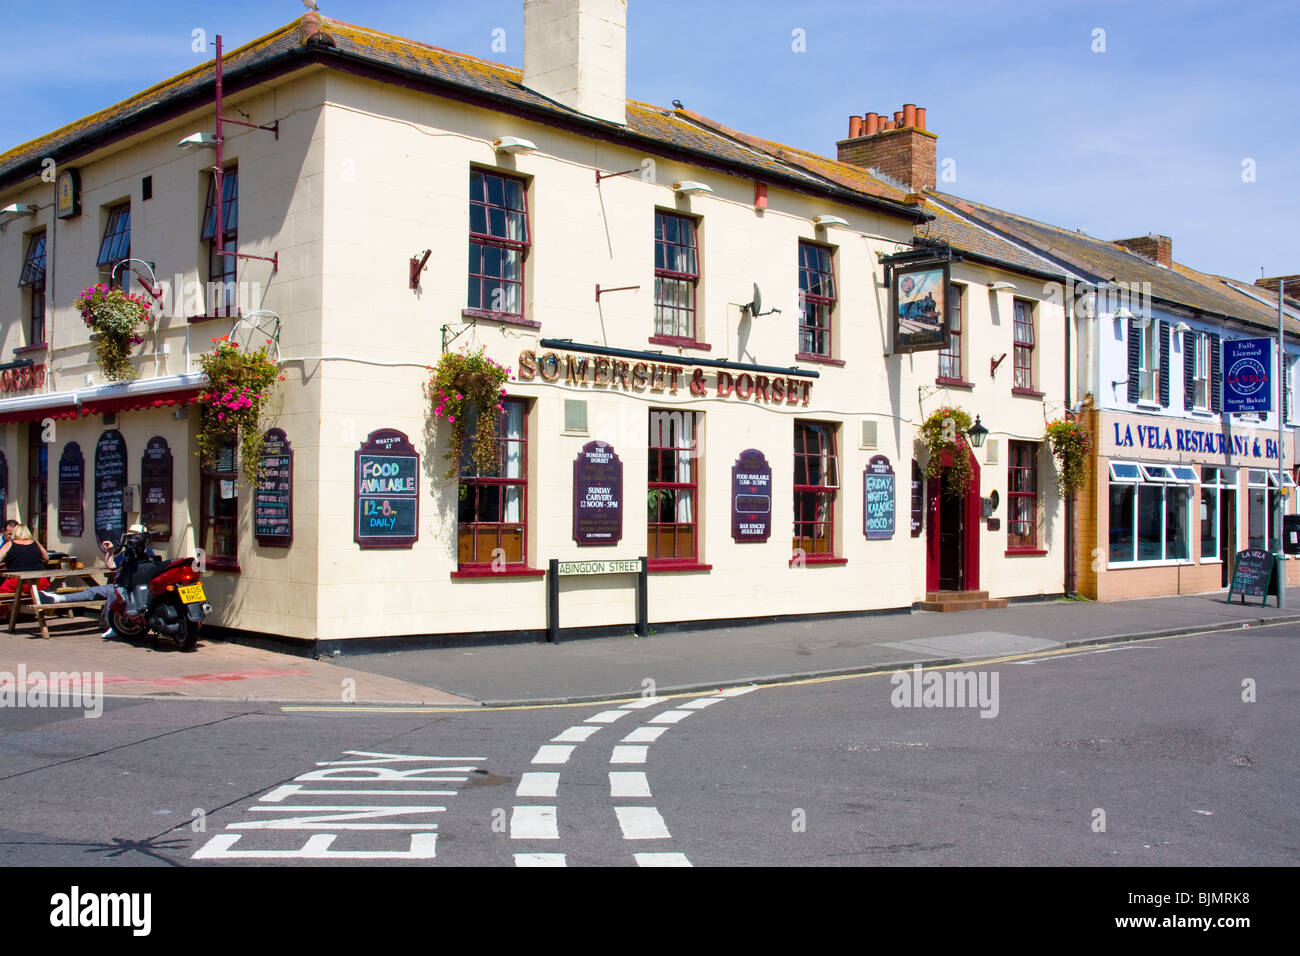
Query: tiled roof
[(970, 238)]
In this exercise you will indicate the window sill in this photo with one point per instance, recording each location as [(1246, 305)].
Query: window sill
[(680, 342), (818, 359), (1211, 560), (656, 567), (953, 382), (486, 571), (194, 319), (1027, 392), (31, 349), (820, 559), (502, 317), (221, 564), (1148, 406), (1011, 552), (1155, 563)]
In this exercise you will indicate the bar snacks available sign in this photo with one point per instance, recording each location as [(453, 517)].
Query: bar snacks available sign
[(597, 495), (387, 491), (751, 497), (878, 499)]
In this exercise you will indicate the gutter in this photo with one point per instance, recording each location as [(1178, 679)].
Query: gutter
[(101, 393)]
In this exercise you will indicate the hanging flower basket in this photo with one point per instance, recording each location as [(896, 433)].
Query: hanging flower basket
[(944, 434), (1072, 446), (119, 321), (465, 385), (239, 385)]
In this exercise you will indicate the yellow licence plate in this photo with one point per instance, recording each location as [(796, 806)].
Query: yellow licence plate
[(191, 593)]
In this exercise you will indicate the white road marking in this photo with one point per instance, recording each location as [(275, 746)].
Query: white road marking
[(661, 859), (540, 859), (628, 755), (294, 790), (537, 785), (533, 823), (330, 818), (628, 783), (575, 735), (670, 716), (548, 754), (699, 704), (642, 823), (317, 847), (369, 757), (736, 691), (644, 735), (644, 702), (607, 716)]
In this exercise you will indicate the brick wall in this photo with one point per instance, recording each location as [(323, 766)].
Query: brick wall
[(906, 155), (1156, 248)]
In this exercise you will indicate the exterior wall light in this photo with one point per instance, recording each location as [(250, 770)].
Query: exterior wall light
[(977, 433), (513, 144), (198, 141), (1001, 286), (821, 222), (689, 187)]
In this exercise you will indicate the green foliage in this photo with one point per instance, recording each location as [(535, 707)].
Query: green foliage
[(119, 321), (1072, 445), (239, 385), (465, 385), (944, 434)]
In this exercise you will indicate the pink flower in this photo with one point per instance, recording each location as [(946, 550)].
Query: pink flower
[(451, 418)]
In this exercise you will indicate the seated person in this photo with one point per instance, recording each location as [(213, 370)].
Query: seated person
[(9, 531), (23, 553), (112, 558)]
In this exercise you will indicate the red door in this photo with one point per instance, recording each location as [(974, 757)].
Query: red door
[(952, 535)]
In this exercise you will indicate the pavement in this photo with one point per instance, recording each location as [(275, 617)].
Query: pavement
[(590, 669)]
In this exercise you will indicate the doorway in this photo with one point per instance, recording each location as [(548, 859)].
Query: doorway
[(1227, 533), (952, 535)]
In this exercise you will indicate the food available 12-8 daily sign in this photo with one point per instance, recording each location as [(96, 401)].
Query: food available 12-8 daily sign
[(1246, 367), (387, 491)]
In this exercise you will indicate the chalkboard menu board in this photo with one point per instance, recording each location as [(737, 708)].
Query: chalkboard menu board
[(273, 501), (918, 500), (156, 489), (1254, 573), (878, 499), (387, 491), (72, 492), (110, 486), (4, 486), (597, 496), (751, 497)]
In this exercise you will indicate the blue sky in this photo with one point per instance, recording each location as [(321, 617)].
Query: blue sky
[(1149, 135)]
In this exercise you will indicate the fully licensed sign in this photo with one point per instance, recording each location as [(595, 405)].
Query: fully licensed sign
[(387, 491), (1246, 366)]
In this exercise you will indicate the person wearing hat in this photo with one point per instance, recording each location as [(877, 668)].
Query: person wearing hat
[(113, 558)]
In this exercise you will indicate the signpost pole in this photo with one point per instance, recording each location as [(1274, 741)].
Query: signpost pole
[(1281, 485), (553, 602), (642, 600)]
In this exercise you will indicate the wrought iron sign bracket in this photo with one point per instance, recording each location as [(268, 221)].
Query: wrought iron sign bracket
[(447, 341), (622, 288), (626, 172)]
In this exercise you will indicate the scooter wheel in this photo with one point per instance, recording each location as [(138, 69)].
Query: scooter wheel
[(118, 621), (188, 636)]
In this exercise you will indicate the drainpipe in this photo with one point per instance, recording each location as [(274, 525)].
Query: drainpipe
[(1071, 584)]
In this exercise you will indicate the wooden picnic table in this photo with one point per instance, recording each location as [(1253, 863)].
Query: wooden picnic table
[(85, 576)]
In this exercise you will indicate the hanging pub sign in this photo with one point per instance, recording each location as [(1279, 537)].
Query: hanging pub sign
[(751, 497), (878, 499), (918, 499), (110, 487), (1246, 367), (918, 296), (273, 500), (72, 488), (67, 194), (597, 496), (387, 491), (156, 489)]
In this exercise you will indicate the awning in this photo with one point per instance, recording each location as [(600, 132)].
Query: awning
[(169, 390)]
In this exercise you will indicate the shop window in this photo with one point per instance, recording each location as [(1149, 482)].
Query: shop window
[(33, 279), (492, 515), (950, 358), (672, 522), (498, 243), (1022, 496), (219, 506), (116, 244), (1218, 497), (1024, 345), (677, 276), (816, 485), (1262, 529), (1150, 513), (224, 297), (37, 481), (816, 299)]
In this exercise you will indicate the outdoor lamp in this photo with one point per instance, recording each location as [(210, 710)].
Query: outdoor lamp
[(198, 141), (977, 433)]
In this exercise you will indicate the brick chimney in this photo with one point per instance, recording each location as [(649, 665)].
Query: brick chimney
[(899, 147), (575, 52), (1159, 249)]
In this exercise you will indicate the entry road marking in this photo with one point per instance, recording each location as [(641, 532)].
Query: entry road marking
[(537, 785), (628, 755), (642, 823), (628, 783), (533, 823)]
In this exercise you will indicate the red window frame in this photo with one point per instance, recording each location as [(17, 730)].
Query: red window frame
[(1024, 345), (492, 248), (481, 496), (817, 298), (116, 244), (815, 488), (673, 482), (677, 267), (221, 269), (33, 276), (950, 357), (1022, 496), (220, 523)]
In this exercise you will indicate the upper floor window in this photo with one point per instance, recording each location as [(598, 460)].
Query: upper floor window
[(498, 242), (116, 244), (677, 275), (221, 268), (1149, 358), (33, 277), (950, 357), (816, 299), (1024, 345), (1196, 371)]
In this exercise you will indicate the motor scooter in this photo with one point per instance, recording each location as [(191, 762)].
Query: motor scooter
[(166, 597)]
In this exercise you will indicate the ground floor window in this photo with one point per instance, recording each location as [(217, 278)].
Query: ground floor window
[(672, 513), (1263, 530), (219, 501), (816, 484), (1022, 496), (1150, 512), (492, 512), (1218, 500)]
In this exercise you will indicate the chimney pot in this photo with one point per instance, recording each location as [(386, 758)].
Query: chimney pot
[(898, 118), (908, 158), (872, 125), (855, 127), (909, 114), (920, 117)]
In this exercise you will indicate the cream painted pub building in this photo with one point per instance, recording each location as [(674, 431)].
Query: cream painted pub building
[(393, 201)]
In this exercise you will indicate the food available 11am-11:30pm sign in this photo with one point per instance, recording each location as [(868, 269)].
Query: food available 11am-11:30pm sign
[(387, 491)]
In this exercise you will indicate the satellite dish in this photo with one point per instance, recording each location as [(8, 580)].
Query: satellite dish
[(755, 307)]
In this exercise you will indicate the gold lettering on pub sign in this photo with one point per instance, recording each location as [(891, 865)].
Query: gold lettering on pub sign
[(661, 378)]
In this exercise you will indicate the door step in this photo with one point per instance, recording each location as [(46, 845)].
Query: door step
[(943, 601)]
